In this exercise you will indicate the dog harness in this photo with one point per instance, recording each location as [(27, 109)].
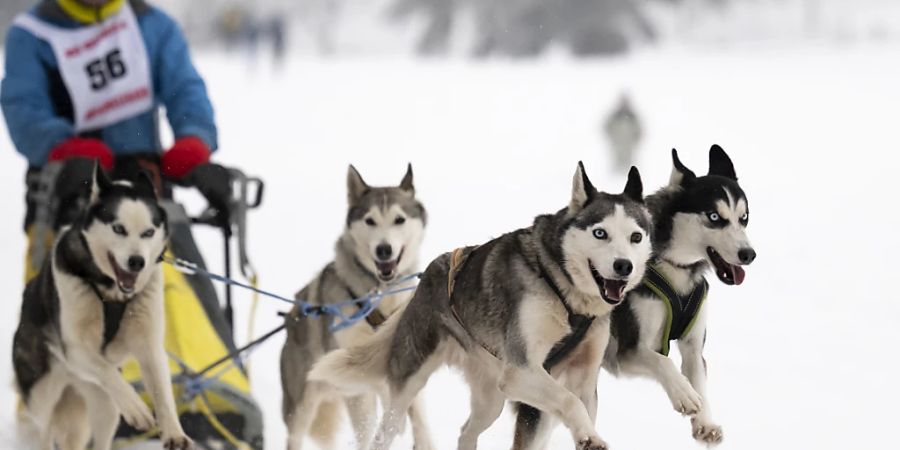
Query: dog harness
[(112, 316), (375, 318), (579, 324), (681, 311)]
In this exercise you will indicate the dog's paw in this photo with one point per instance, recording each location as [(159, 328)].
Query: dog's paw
[(684, 398), (707, 432), (137, 414), (181, 442), (591, 443)]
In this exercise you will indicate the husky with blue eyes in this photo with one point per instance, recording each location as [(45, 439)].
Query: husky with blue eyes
[(699, 224), (525, 316), (98, 301)]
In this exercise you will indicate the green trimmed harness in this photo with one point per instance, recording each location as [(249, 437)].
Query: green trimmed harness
[(681, 311)]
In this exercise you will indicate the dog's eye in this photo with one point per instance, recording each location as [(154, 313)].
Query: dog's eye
[(636, 237), (119, 229), (400, 220), (600, 233), (370, 222), (714, 217), (745, 218), (148, 234)]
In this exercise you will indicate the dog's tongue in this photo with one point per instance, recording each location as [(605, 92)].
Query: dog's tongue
[(737, 274), (386, 268), (614, 289)]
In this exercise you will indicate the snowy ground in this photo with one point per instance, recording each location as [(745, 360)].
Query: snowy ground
[(799, 356)]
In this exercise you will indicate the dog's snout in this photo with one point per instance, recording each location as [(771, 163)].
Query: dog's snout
[(746, 255), (623, 267), (135, 263), (384, 252)]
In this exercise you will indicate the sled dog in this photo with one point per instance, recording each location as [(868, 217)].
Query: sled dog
[(699, 223), (525, 316), (379, 245), (98, 300)]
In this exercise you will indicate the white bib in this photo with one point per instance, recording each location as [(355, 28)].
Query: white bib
[(104, 66)]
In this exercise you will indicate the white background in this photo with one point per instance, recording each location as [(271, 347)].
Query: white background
[(802, 356)]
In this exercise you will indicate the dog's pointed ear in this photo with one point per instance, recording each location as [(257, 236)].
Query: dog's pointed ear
[(356, 186), (582, 190), (720, 164), (680, 174), (634, 188), (99, 184), (144, 185), (407, 183)]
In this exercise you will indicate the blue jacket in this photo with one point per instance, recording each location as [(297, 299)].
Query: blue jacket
[(38, 110)]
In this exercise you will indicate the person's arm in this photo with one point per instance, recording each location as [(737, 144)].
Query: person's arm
[(179, 86), (33, 125)]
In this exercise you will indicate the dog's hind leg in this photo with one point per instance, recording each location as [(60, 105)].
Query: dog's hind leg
[(361, 409), (402, 394), (533, 428), (486, 405), (103, 414), (534, 386), (43, 399), (302, 416), (693, 366), (69, 424), (419, 425)]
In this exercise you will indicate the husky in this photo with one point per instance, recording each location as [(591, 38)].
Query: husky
[(98, 300), (525, 316), (698, 223), (379, 246)]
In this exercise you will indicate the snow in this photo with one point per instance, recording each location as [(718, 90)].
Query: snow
[(799, 356)]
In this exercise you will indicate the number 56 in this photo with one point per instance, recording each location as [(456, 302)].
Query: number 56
[(102, 70)]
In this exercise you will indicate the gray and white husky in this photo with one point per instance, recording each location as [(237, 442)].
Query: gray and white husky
[(97, 301), (525, 316), (379, 245), (698, 223)]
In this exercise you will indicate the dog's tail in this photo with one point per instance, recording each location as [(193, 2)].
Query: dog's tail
[(361, 368)]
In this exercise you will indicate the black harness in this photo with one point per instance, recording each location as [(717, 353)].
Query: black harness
[(681, 311), (579, 324), (112, 317)]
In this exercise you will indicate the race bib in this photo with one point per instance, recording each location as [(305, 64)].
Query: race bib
[(104, 66)]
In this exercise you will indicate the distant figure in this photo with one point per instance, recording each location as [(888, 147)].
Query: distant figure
[(624, 132), (277, 31)]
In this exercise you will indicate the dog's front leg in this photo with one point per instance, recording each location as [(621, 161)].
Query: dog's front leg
[(155, 371), (534, 386), (93, 367), (643, 361), (693, 366)]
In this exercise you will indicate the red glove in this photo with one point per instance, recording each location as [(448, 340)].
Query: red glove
[(186, 154), (76, 147)]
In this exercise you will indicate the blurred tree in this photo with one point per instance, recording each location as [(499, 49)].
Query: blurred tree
[(526, 28)]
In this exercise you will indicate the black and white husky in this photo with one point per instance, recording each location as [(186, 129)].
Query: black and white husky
[(525, 316), (698, 223), (379, 245), (97, 301)]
